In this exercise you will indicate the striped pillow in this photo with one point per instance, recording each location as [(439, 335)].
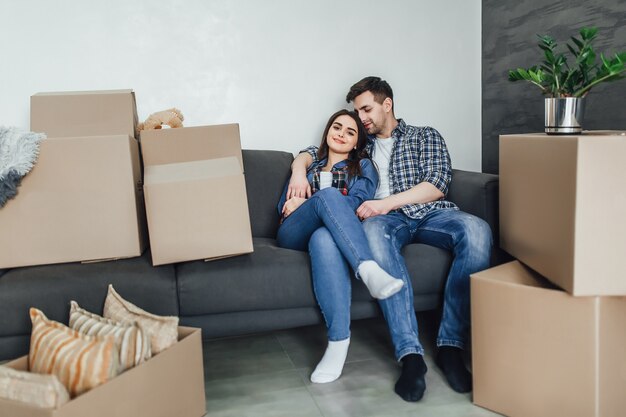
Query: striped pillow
[(35, 389), (80, 362), (133, 344), (162, 330)]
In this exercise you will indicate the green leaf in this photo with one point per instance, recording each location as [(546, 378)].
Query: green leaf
[(578, 43), (591, 58), (588, 33), (572, 50)]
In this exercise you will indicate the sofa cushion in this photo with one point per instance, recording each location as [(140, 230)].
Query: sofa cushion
[(30, 388), (161, 330), (51, 287), (273, 278), (269, 278), (266, 173), (130, 340), (80, 362)]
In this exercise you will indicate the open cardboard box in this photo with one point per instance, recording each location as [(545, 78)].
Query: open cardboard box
[(539, 351), (168, 384), (82, 201), (195, 193), (562, 205)]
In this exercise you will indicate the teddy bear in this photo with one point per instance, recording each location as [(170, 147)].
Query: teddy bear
[(170, 117)]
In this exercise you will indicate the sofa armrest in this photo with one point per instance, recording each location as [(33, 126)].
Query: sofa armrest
[(477, 193)]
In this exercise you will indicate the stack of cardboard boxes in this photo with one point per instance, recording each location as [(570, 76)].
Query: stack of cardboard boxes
[(549, 330), (84, 199)]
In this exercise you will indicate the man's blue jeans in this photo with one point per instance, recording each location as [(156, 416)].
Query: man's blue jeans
[(466, 236), (329, 212)]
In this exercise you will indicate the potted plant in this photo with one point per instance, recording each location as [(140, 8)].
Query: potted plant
[(565, 86)]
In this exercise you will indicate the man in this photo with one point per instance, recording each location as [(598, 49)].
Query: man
[(409, 207)]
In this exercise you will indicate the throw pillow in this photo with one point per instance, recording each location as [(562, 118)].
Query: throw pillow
[(162, 330), (133, 344), (35, 389), (80, 362)]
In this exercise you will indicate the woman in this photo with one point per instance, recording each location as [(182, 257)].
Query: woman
[(341, 180)]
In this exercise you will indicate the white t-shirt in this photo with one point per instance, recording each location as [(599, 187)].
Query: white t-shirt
[(326, 179), (382, 156)]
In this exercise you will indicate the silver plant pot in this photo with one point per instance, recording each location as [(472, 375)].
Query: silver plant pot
[(564, 116)]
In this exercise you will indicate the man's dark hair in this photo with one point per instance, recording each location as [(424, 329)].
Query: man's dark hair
[(379, 88)]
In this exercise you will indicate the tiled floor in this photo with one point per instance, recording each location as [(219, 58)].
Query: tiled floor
[(268, 375)]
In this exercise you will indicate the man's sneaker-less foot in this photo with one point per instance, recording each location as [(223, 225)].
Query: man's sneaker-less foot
[(450, 360), (412, 384)]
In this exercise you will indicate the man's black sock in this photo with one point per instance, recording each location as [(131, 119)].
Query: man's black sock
[(411, 384), (450, 361)]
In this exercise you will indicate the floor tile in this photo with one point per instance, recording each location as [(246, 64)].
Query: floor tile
[(242, 356), (273, 394)]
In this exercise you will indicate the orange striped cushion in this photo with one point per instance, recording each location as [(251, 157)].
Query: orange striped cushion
[(80, 362), (132, 343), (162, 330), (39, 390)]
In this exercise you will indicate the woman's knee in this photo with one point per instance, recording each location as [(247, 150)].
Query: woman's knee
[(330, 195), (321, 238)]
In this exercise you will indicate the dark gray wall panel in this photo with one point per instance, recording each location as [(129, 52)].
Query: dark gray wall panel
[(510, 41)]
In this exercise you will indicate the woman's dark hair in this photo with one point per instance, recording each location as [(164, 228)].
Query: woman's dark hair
[(355, 155)]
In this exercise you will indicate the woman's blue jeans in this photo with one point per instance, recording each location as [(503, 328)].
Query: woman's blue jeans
[(329, 212), (467, 237)]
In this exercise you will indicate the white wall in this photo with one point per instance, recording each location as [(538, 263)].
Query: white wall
[(279, 68)]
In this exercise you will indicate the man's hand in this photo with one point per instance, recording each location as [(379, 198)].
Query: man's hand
[(372, 208), (299, 187), (292, 205)]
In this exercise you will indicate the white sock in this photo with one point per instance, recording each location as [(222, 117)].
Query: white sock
[(331, 365), (380, 284)]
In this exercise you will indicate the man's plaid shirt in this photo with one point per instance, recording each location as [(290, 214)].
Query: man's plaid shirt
[(419, 154)]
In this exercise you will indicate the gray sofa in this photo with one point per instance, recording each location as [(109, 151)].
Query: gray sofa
[(265, 290)]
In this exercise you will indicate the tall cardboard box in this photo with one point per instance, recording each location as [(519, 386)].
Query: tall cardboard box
[(562, 205), (195, 192), (539, 351), (81, 202), (84, 113), (168, 384)]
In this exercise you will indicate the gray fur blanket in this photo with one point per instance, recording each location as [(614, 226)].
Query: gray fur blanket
[(18, 154)]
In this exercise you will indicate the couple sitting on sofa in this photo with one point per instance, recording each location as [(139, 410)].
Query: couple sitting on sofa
[(399, 195)]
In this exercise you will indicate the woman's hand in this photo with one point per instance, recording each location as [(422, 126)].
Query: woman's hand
[(292, 205), (298, 187)]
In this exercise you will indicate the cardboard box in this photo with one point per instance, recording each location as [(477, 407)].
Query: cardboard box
[(562, 205), (195, 192), (538, 351), (82, 201), (169, 384), (84, 113)]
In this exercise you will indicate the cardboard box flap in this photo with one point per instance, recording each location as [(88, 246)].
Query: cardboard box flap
[(191, 171), (186, 144), (515, 273), (84, 93)]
